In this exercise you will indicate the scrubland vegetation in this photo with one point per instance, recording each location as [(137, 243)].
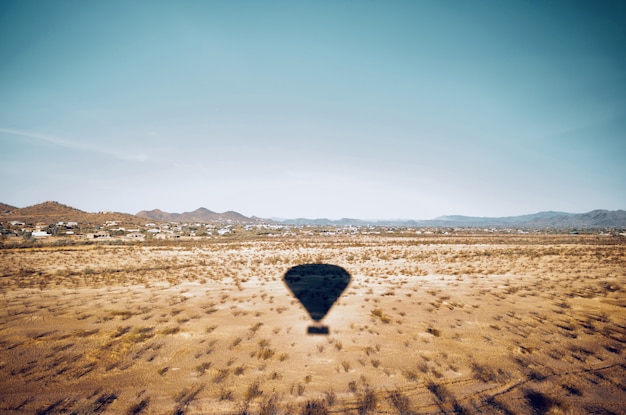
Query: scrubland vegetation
[(508, 324)]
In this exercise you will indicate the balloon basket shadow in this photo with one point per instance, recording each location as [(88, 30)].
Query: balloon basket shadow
[(317, 330)]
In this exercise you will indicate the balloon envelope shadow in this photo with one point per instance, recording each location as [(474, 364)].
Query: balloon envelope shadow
[(317, 286)]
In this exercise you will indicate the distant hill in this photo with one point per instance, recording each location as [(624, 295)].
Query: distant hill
[(593, 219), (50, 208), (155, 215), (503, 220), (198, 215), (549, 218), (6, 209), (52, 212)]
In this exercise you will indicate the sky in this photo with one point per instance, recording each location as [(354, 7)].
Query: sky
[(362, 109)]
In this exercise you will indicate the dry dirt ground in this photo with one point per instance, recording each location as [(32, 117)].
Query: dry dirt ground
[(442, 324)]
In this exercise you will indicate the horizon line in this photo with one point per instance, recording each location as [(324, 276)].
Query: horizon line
[(280, 218)]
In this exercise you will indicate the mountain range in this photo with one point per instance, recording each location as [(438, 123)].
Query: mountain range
[(56, 212), (593, 219), (198, 215)]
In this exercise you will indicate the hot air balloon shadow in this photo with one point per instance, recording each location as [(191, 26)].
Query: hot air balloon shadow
[(317, 286)]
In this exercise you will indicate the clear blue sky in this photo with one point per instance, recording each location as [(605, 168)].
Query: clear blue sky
[(368, 109)]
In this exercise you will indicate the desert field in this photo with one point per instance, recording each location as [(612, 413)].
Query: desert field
[(428, 324)]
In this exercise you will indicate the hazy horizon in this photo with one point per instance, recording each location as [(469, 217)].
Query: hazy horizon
[(188, 210), (373, 110)]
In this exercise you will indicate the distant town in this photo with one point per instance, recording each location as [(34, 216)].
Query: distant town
[(52, 222), (113, 230)]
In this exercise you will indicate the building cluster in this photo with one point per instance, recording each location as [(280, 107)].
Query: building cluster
[(117, 231), (113, 230)]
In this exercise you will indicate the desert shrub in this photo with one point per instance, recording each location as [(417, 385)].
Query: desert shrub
[(253, 391), (235, 342), (488, 374), (346, 365), (269, 406), (265, 353), (543, 404), (367, 402), (120, 331), (378, 313), (314, 407), (138, 407), (170, 330), (256, 327), (202, 368), (330, 396), (210, 308), (610, 286), (399, 401), (298, 389), (226, 394), (141, 334), (123, 314), (440, 392), (221, 375), (185, 397), (410, 375), (572, 390), (435, 332)]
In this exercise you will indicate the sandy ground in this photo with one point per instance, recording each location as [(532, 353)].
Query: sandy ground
[(503, 325)]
